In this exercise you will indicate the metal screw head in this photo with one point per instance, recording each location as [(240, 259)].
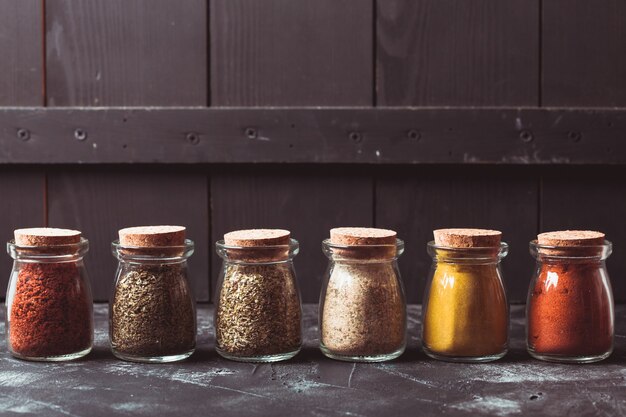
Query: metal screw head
[(414, 134), (575, 136), (80, 134), (355, 137), (526, 136), (23, 134), (251, 133), (193, 138)]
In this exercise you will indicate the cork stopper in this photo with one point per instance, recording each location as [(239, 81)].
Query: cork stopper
[(571, 238), (46, 236), (257, 237), (258, 245), (467, 238), (364, 236), (152, 236)]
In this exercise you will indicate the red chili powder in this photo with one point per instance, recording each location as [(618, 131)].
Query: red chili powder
[(570, 311), (50, 312)]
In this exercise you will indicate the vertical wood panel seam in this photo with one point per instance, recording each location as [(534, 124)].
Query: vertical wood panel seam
[(209, 203), (44, 49), (374, 180), (540, 58), (45, 198), (540, 205), (208, 56), (374, 53)]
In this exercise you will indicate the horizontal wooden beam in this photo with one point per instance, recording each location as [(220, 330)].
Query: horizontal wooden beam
[(312, 135)]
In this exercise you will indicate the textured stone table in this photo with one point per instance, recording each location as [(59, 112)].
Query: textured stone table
[(310, 384)]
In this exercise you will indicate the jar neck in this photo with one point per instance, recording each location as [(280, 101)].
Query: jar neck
[(49, 254), (258, 255), (468, 256), (363, 253), (571, 254), (153, 255)]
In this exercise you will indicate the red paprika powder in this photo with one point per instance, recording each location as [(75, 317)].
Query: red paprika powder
[(49, 301), (570, 302)]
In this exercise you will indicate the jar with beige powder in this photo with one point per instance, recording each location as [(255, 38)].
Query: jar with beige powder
[(362, 305)]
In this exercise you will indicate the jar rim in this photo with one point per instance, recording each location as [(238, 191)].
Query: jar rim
[(265, 254), (62, 252), (583, 252), (388, 251), (151, 253), (484, 253)]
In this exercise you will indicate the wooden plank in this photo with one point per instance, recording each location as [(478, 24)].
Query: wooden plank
[(415, 201), (583, 60), (291, 52), (592, 198), (21, 205), (126, 53), (451, 53), (350, 135), (304, 200), (21, 49), (100, 201)]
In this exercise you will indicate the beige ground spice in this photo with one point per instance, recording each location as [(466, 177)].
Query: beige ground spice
[(363, 310)]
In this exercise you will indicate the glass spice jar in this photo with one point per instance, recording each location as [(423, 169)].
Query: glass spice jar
[(570, 302), (152, 311), (362, 304), (258, 316), (49, 307), (465, 310)]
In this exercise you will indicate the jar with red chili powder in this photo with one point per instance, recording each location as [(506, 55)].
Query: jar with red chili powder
[(570, 302), (49, 303)]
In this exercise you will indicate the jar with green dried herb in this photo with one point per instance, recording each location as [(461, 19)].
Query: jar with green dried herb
[(258, 317), (362, 305), (152, 313)]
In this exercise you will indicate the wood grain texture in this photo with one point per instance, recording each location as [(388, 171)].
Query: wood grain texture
[(415, 201), (291, 52), (351, 135), (583, 57), (126, 53), (451, 53), (101, 201), (589, 198), (305, 200), (21, 205), (21, 53)]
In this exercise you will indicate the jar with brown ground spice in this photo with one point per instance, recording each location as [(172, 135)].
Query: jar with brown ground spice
[(258, 316), (362, 304), (152, 312), (465, 310), (49, 304), (570, 309)]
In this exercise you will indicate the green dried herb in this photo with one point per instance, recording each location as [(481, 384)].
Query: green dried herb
[(152, 313), (259, 312)]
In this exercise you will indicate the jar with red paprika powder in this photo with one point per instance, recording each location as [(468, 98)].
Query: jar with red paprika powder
[(49, 303), (570, 302)]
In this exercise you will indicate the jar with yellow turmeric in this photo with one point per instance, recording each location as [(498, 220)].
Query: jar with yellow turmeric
[(465, 310)]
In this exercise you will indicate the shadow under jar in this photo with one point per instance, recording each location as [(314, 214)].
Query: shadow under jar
[(49, 305), (152, 311), (258, 316), (570, 302), (362, 304), (465, 310)]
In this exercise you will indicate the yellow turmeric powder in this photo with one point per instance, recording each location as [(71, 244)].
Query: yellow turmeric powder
[(466, 311)]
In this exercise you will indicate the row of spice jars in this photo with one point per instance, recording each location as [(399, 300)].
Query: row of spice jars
[(258, 312)]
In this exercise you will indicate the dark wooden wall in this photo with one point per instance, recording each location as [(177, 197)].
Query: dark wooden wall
[(326, 53)]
